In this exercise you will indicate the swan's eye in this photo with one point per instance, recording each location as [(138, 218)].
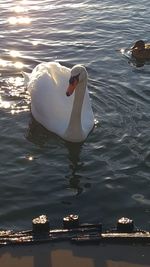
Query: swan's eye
[(74, 78)]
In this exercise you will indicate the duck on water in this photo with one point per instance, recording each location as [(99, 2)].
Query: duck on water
[(141, 50)]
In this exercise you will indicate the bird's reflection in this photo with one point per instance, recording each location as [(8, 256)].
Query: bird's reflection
[(132, 60), (40, 136), (137, 63), (74, 150), (36, 133)]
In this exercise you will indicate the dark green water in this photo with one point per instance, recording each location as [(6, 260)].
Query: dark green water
[(109, 175)]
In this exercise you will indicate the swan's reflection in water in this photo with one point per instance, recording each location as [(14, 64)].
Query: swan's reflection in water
[(40, 136), (37, 134), (74, 150)]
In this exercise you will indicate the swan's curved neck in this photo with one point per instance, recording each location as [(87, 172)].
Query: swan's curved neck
[(75, 132)]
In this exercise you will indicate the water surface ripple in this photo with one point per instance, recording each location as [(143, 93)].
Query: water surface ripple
[(107, 176)]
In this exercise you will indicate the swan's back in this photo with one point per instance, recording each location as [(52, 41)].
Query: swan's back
[(49, 104)]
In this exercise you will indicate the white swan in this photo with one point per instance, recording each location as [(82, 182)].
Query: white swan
[(60, 100)]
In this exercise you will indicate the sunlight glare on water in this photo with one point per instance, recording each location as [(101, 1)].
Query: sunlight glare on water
[(19, 20)]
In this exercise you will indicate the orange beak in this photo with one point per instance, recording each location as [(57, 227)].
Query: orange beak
[(71, 87)]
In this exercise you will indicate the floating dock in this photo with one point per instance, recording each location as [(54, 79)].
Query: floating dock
[(75, 245)]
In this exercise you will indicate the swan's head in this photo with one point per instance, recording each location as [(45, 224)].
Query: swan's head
[(78, 75)]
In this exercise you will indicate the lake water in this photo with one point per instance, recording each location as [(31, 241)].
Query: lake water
[(106, 177)]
